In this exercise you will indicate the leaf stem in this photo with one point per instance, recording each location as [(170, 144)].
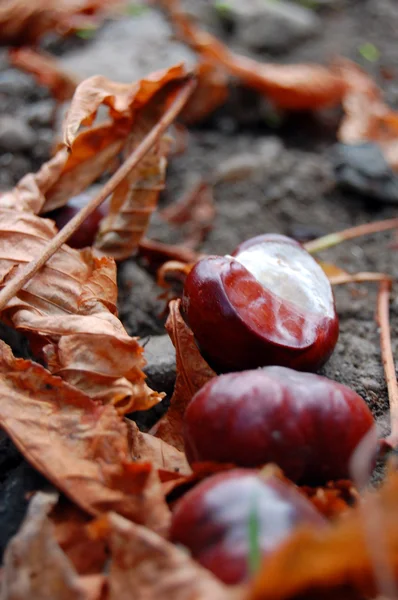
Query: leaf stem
[(383, 320), (327, 241), (15, 285), (362, 277)]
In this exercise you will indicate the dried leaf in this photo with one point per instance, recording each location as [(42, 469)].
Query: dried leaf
[(70, 305), (196, 209), (332, 271), (154, 568), (23, 22), (211, 92), (333, 499), (133, 202), (123, 99), (46, 70), (337, 563), (367, 117), (192, 373), (81, 446), (156, 253), (292, 87), (34, 565), (162, 456)]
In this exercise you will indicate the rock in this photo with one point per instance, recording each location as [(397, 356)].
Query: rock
[(246, 164), (14, 499), (161, 363), (140, 306), (39, 114), (363, 168), (269, 25), (129, 49), (15, 83), (15, 135)]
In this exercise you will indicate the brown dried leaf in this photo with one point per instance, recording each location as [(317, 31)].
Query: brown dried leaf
[(196, 209), (34, 565), (338, 562), (154, 568), (367, 117), (211, 92), (47, 71), (162, 456), (333, 499), (70, 307), (292, 87), (79, 445), (192, 373), (23, 22), (156, 253), (123, 99)]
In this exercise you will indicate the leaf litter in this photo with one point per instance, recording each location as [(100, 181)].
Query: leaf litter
[(105, 538)]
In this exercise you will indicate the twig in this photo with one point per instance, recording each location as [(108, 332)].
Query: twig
[(362, 277), (383, 320), (14, 286), (327, 241)]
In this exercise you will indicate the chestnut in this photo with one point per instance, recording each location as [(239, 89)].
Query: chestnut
[(307, 424), (268, 304), (87, 232), (212, 519)]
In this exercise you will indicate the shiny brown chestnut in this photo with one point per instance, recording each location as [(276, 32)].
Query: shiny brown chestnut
[(268, 304), (307, 424), (212, 520), (85, 235)]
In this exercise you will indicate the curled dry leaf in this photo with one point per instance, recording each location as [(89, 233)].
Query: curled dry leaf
[(196, 210), (211, 92), (336, 563), (291, 87), (81, 446), (69, 308), (192, 373), (367, 117), (162, 456), (156, 253), (46, 70), (154, 568), (23, 22), (34, 565), (123, 99)]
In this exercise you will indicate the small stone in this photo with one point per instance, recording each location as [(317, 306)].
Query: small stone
[(269, 25), (245, 164), (15, 135), (363, 168), (39, 114), (160, 369), (15, 83)]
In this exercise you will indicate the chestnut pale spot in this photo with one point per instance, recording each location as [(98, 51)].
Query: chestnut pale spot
[(289, 272)]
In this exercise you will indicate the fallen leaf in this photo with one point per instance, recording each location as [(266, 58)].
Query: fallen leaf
[(34, 565), (69, 307), (192, 373), (211, 92), (291, 87), (154, 568), (195, 210), (123, 99), (162, 456), (367, 117), (23, 22), (334, 498), (337, 563), (156, 253), (46, 70), (81, 446)]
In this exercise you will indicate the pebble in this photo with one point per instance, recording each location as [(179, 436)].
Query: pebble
[(15, 135), (160, 369), (274, 26), (363, 168)]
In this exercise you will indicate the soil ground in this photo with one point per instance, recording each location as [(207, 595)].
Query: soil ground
[(293, 192)]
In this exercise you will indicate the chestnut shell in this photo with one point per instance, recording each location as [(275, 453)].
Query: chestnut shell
[(212, 520), (238, 324), (305, 423)]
